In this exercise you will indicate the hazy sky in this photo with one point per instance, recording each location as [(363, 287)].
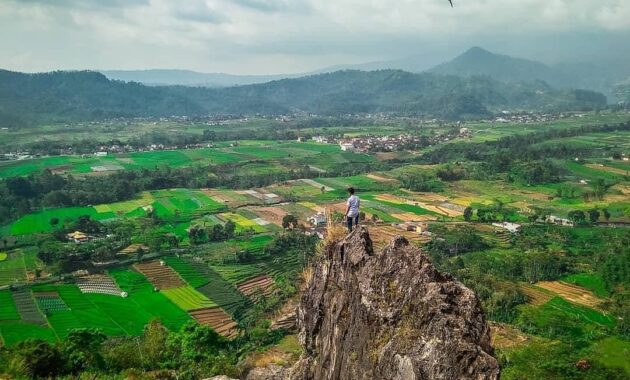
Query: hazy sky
[(289, 36)]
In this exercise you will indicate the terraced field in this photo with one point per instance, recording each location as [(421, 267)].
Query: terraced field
[(243, 223), (12, 269), (222, 292), (216, 319), (256, 287), (161, 276), (8, 310), (141, 294), (570, 292), (187, 271), (187, 298), (27, 307), (50, 302)]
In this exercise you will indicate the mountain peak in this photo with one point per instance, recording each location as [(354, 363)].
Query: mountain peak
[(477, 51), (382, 315), (477, 61)]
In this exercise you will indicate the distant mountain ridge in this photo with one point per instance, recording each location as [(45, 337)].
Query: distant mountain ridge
[(478, 61), (160, 77), (27, 99), (599, 76)]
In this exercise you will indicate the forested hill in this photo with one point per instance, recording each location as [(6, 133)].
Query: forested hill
[(478, 61), (28, 99), (601, 75)]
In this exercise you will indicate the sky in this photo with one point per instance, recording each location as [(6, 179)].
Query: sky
[(296, 36)]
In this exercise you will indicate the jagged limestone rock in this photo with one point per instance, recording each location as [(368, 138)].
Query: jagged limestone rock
[(389, 315)]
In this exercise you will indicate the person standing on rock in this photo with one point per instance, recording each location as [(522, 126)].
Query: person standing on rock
[(352, 209)]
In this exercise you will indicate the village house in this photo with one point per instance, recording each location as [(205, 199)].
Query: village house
[(78, 237), (511, 227), (559, 221), (317, 219), (346, 146)]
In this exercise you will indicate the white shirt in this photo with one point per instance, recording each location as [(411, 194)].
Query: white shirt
[(353, 204)]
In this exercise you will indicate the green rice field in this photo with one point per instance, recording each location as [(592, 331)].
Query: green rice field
[(13, 268), (187, 298)]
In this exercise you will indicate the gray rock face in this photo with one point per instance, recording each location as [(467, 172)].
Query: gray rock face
[(389, 315)]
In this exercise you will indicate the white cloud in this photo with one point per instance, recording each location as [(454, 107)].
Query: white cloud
[(276, 35)]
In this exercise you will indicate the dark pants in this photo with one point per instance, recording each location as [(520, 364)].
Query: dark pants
[(352, 220)]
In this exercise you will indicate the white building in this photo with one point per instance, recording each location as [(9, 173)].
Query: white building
[(560, 221), (317, 219), (347, 147), (512, 227)]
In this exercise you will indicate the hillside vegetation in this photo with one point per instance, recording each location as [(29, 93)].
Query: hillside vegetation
[(27, 99)]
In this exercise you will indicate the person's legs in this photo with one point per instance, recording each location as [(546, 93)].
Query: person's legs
[(356, 221), (349, 221)]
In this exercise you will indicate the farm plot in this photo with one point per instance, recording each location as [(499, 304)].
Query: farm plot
[(141, 295), (230, 198), (116, 316), (237, 273), (257, 286), (242, 223), (8, 310), (381, 178), (187, 271), (50, 302), (184, 202), (414, 206), (26, 167), (570, 292), (383, 235), (298, 210), (261, 152), (584, 314), (359, 182), (216, 319), (213, 286), (40, 221), (161, 276), (271, 214), (98, 284), (590, 281), (260, 196), (226, 296), (122, 208), (623, 172), (27, 307), (187, 298), (535, 296), (14, 332), (12, 269)]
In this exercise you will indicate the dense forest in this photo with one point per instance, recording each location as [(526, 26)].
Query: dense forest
[(27, 99)]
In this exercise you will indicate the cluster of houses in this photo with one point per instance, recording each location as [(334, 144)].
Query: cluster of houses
[(526, 118), (370, 143)]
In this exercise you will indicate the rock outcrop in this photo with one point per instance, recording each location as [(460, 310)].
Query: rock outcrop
[(389, 315)]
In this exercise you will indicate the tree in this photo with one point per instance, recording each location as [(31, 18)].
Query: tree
[(198, 235), (468, 214), (54, 222), (153, 343), (375, 218), (39, 359), (577, 217), (606, 214), (229, 228), (289, 221), (593, 215), (83, 349), (361, 216)]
